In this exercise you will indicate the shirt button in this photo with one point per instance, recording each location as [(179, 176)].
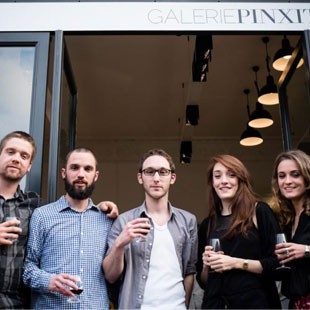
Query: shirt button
[(82, 251), (140, 296), (143, 277), (147, 260), (82, 233)]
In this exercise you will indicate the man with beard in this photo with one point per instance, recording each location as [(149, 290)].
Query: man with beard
[(67, 239), (17, 150)]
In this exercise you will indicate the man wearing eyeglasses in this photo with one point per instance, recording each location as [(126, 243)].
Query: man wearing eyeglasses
[(153, 248)]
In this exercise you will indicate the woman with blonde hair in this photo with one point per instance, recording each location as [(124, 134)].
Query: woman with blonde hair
[(240, 275), (291, 202)]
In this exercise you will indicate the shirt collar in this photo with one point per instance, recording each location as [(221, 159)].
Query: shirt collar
[(142, 209), (19, 195), (64, 204)]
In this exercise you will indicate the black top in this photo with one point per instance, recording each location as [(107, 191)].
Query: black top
[(298, 281), (242, 289)]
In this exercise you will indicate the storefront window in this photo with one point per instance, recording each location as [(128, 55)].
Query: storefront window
[(16, 83)]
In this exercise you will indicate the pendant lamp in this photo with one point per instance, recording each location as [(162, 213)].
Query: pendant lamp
[(260, 118), (250, 137), (268, 94), (283, 55)]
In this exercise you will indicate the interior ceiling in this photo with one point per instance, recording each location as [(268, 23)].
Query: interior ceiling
[(137, 86)]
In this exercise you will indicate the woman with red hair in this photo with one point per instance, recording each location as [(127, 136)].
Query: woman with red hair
[(243, 270)]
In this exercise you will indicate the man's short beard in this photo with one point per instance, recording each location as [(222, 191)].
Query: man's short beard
[(79, 194), (11, 177)]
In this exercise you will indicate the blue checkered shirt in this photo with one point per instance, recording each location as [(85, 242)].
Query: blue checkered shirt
[(63, 240)]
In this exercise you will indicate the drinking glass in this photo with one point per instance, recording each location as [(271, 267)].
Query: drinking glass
[(216, 245), (280, 238), (76, 297), (12, 218), (143, 215)]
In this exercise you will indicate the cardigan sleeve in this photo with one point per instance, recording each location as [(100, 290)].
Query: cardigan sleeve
[(268, 227), (202, 241)]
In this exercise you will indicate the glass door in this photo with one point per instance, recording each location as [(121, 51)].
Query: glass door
[(296, 130)]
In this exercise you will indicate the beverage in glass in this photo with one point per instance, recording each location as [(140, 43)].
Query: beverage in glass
[(76, 292), (12, 218), (280, 238)]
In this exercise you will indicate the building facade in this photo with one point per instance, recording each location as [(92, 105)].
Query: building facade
[(70, 77)]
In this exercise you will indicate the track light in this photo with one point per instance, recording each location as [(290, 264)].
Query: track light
[(192, 115), (283, 55), (250, 137), (201, 58), (268, 94), (185, 152), (260, 118)]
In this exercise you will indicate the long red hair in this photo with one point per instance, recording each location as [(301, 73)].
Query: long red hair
[(243, 204)]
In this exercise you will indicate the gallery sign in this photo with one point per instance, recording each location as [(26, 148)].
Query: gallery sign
[(154, 16)]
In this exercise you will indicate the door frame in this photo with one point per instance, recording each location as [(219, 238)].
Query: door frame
[(36, 128), (302, 50)]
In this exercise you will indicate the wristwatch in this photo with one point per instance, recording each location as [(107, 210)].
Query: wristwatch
[(307, 251), (245, 264)]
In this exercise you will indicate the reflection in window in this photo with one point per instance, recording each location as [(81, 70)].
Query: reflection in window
[(16, 67)]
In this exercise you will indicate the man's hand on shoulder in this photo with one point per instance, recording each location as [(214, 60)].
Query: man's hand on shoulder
[(110, 208)]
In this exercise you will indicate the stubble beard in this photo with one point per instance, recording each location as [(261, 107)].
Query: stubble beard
[(11, 177)]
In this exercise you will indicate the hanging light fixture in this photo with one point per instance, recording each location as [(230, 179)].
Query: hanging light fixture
[(186, 152), (202, 56), (268, 94), (260, 118), (283, 55), (250, 137), (192, 115)]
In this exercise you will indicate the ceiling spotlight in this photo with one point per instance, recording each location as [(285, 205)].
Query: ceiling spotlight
[(186, 152), (283, 55), (201, 58), (192, 115), (268, 94)]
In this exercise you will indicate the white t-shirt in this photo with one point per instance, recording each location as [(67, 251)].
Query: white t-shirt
[(164, 287)]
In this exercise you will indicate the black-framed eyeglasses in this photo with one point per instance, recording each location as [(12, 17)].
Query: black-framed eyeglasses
[(163, 172)]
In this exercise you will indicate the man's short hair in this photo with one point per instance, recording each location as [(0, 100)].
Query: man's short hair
[(80, 150), (20, 135), (159, 152)]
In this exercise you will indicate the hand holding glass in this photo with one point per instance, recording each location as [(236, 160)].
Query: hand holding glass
[(216, 247), (280, 238), (13, 218), (147, 221), (76, 292)]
